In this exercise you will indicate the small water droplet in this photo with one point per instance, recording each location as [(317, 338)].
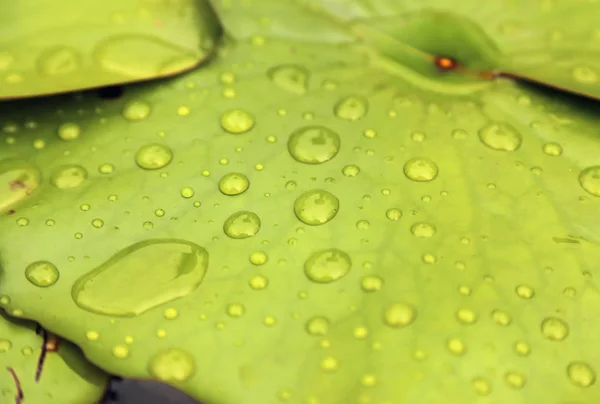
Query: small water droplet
[(466, 316), (136, 110), (522, 348), (153, 156), (120, 351), (581, 374), (585, 75), (393, 214), (236, 310), (169, 268), (234, 184), (553, 149), (241, 225), (71, 176), (92, 335), (525, 291), (18, 180), (554, 329), (291, 78), (69, 131), (423, 230), (327, 265), (5, 345), (352, 108), (316, 207), (515, 380), (400, 314), (420, 169), (172, 365), (258, 258), (42, 273), (317, 326), (258, 282), (314, 144), (187, 192), (456, 346), (481, 386), (590, 180), (500, 136), (501, 317), (371, 283), (106, 168), (351, 170), (237, 121)]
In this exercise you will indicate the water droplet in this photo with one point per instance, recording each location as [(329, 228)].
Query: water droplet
[(420, 169), (172, 365), (398, 315), (317, 326), (371, 283), (5, 345), (170, 313), (327, 265), (187, 192), (18, 179), (351, 170), (423, 230), (258, 258), (234, 184), (481, 386), (153, 156), (22, 221), (525, 291), (92, 335), (237, 121), (120, 351), (351, 108), (316, 207), (236, 310), (290, 78), (242, 224), (581, 374), (69, 131), (466, 316), (258, 282), (58, 61), (501, 317), (500, 136), (554, 329), (314, 144), (170, 269), (515, 380), (522, 348), (553, 149), (42, 273), (65, 177), (393, 214), (456, 346), (106, 168), (590, 180), (136, 110), (585, 75)]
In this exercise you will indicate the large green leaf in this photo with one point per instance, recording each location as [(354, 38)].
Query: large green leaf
[(51, 46), (60, 377), (320, 215)]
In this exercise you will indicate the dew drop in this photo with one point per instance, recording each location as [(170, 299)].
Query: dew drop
[(120, 351), (18, 179), (351, 170), (423, 230), (456, 346), (236, 310), (317, 326), (398, 315), (522, 348), (172, 365), (330, 364), (71, 176), (420, 169), (187, 192), (352, 108), (69, 131), (258, 258), (316, 207), (291, 78), (585, 75), (515, 380), (234, 184), (237, 121), (153, 156), (136, 110), (501, 317), (525, 291), (590, 180), (371, 283), (553, 149), (327, 265), (481, 386), (581, 374), (466, 316), (258, 282), (500, 136), (5, 345), (42, 273), (241, 225), (314, 144), (554, 329), (106, 168), (170, 269), (393, 214)]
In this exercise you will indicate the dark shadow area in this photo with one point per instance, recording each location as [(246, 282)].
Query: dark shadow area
[(144, 392), (110, 92)]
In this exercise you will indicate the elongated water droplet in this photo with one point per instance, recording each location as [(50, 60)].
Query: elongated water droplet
[(291, 78), (242, 224), (163, 269), (65, 177), (237, 121), (327, 265), (42, 273), (316, 207), (590, 180), (420, 169), (351, 108), (314, 144), (234, 184), (153, 156), (500, 136)]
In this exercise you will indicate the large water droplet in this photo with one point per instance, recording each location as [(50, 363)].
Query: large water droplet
[(316, 207), (290, 78), (161, 270), (18, 179), (234, 184), (327, 265), (590, 180), (68, 176), (153, 156), (237, 121), (136, 110), (420, 169), (42, 273), (554, 329), (581, 374), (351, 108), (242, 224), (314, 144), (500, 136)]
